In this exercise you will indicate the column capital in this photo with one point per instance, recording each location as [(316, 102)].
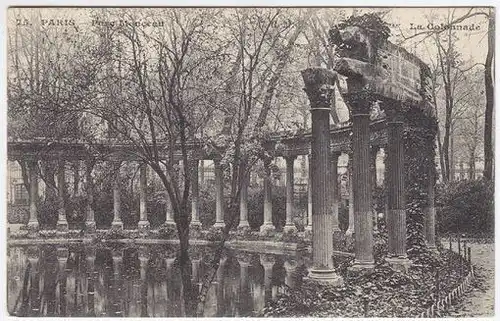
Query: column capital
[(320, 87), (267, 260), (359, 103), (244, 258)]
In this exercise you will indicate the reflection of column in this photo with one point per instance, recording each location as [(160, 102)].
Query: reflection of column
[(267, 262), (33, 213), (219, 194), (117, 264), (117, 221), (33, 256), (195, 196), (143, 210), (220, 286), (244, 200), (90, 225), (62, 258), (244, 299), (195, 269), (320, 90), (143, 260), (89, 267), (289, 226), (397, 212), (430, 220), (363, 223), (62, 223), (309, 194), (290, 267), (268, 202)]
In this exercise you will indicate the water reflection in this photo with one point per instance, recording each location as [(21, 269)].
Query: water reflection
[(80, 281)]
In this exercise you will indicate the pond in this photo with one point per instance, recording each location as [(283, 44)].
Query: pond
[(141, 281)]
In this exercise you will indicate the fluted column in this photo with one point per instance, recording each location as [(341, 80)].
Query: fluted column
[(117, 221), (90, 225), (195, 196), (268, 202), (244, 201), (363, 221), (350, 230), (33, 212), (219, 194), (143, 210), (396, 197), (320, 89), (308, 226), (430, 220), (335, 199), (289, 226), (62, 223)]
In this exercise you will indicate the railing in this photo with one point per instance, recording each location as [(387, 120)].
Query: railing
[(447, 301)]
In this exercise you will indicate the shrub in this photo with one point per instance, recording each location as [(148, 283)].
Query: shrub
[(466, 207)]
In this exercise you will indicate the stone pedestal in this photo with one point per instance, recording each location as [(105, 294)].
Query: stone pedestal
[(219, 195), (290, 267), (320, 89), (33, 212), (363, 220), (268, 205), (289, 225), (143, 224), (396, 200)]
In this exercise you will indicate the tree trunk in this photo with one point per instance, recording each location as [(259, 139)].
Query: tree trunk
[(488, 116)]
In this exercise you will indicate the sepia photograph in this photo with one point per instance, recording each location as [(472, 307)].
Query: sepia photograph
[(249, 162)]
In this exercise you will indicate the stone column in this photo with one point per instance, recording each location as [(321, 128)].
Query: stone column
[(219, 194), (90, 225), (33, 213), (62, 223), (350, 230), (320, 89), (244, 201), (195, 196), (117, 221), (268, 199), (396, 198), (195, 269), (289, 226), (363, 222), (335, 199), (430, 230), (373, 172), (308, 227), (169, 215), (143, 224)]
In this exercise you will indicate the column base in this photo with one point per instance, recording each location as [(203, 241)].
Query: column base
[(117, 225), (399, 263), (62, 226), (219, 225), (90, 227), (170, 222), (243, 224), (288, 228), (361, 266), (195, 223), (33, 226), (266, 227), (325, 276), (143, 226)]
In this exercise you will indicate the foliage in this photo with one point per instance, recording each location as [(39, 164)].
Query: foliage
[(466, 207)]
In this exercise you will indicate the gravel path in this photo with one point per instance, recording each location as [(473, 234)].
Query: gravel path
[(479, 300)]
